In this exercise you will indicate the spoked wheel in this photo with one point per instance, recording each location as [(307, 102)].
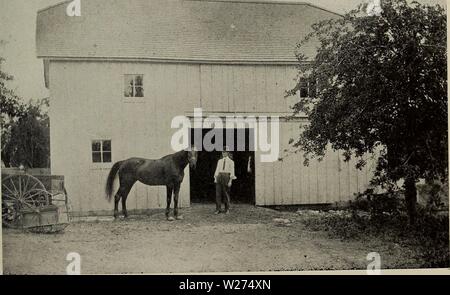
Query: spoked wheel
[(49, 229), (21, 192)]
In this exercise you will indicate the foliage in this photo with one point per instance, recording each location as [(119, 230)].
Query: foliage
[(387, 217), (10, 104), (382, 87), (10, 109), (432, 234), (25, 128), (29, 144), (436, 194), (390, 203), (428, 238)]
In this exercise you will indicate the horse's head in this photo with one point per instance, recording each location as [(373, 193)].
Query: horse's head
[(192, 157)]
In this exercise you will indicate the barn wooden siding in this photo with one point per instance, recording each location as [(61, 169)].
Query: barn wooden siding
[(290, 182), (87, 103)]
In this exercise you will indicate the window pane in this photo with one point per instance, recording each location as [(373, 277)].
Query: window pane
[(128, 85), (107, 157), (96, 146), (129, 80), (312, 89), (303, 82), (107, 145), (139, 80), (96, 157), (303, 87), (128, 91), (139, 92), (304, 92)]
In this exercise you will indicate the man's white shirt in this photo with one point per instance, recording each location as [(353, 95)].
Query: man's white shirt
[(225, 165)]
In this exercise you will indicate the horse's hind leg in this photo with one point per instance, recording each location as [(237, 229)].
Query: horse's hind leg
[(124, 190), (169, 200)]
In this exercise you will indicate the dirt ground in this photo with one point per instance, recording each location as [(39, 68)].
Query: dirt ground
[(246, 240)]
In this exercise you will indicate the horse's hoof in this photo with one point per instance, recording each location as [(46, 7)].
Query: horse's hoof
[(170, 219), (179, 217)]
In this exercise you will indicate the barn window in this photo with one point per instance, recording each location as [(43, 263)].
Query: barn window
[(134, 85), (101, 151), (307, 88)]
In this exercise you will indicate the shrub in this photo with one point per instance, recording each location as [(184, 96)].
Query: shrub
[(435, 194), (379, 206), (385, 218), (432, 234)]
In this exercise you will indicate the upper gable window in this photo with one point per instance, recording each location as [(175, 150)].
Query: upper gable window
[(308, 88), (134, 86)]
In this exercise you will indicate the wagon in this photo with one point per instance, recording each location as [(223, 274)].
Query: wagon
[(37, 203)]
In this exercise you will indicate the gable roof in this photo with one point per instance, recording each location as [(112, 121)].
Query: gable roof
[(178, 30)]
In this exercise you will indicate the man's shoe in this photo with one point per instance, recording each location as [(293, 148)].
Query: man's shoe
[(217, 212)]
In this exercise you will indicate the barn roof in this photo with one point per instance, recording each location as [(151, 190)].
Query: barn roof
[(178, 30)]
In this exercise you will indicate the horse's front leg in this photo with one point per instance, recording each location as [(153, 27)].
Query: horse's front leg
[(175, 200), (169, 200), (124, 207)]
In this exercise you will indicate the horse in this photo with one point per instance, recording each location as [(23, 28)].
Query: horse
[(167, 171)]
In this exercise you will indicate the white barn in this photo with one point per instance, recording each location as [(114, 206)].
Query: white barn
[(122, 70)]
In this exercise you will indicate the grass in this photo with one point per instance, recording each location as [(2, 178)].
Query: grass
[(429, 237)]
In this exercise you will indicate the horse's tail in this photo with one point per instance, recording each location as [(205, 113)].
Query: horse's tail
[(110, 180)]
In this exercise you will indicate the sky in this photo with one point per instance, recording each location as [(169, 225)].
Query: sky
[(17, 36)]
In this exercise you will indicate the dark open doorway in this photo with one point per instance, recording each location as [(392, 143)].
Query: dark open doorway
[(202, 187)]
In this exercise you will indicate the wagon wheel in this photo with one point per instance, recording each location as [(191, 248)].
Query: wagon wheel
[(21, 192), (49, 229)]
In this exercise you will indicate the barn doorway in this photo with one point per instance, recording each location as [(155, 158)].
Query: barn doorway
[(202, 187)]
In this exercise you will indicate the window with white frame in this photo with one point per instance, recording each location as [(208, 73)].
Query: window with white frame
[(308, 88), (134, 85), (101, 151)]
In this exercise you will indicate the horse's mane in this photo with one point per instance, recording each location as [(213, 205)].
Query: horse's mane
[(180, 153)]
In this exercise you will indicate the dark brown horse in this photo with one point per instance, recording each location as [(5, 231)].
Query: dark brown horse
[(167, 171)]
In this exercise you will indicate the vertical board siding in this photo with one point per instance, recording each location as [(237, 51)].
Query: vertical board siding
[(142, 128), (289, 182)]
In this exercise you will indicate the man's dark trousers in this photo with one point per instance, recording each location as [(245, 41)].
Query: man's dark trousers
[(223, 191)]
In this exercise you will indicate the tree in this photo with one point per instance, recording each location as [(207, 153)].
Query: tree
[(24, 128), (10, 102), (381, 85), (11, 108), (29, 143)]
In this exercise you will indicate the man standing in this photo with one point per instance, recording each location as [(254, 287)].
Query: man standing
[(223, 178)]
